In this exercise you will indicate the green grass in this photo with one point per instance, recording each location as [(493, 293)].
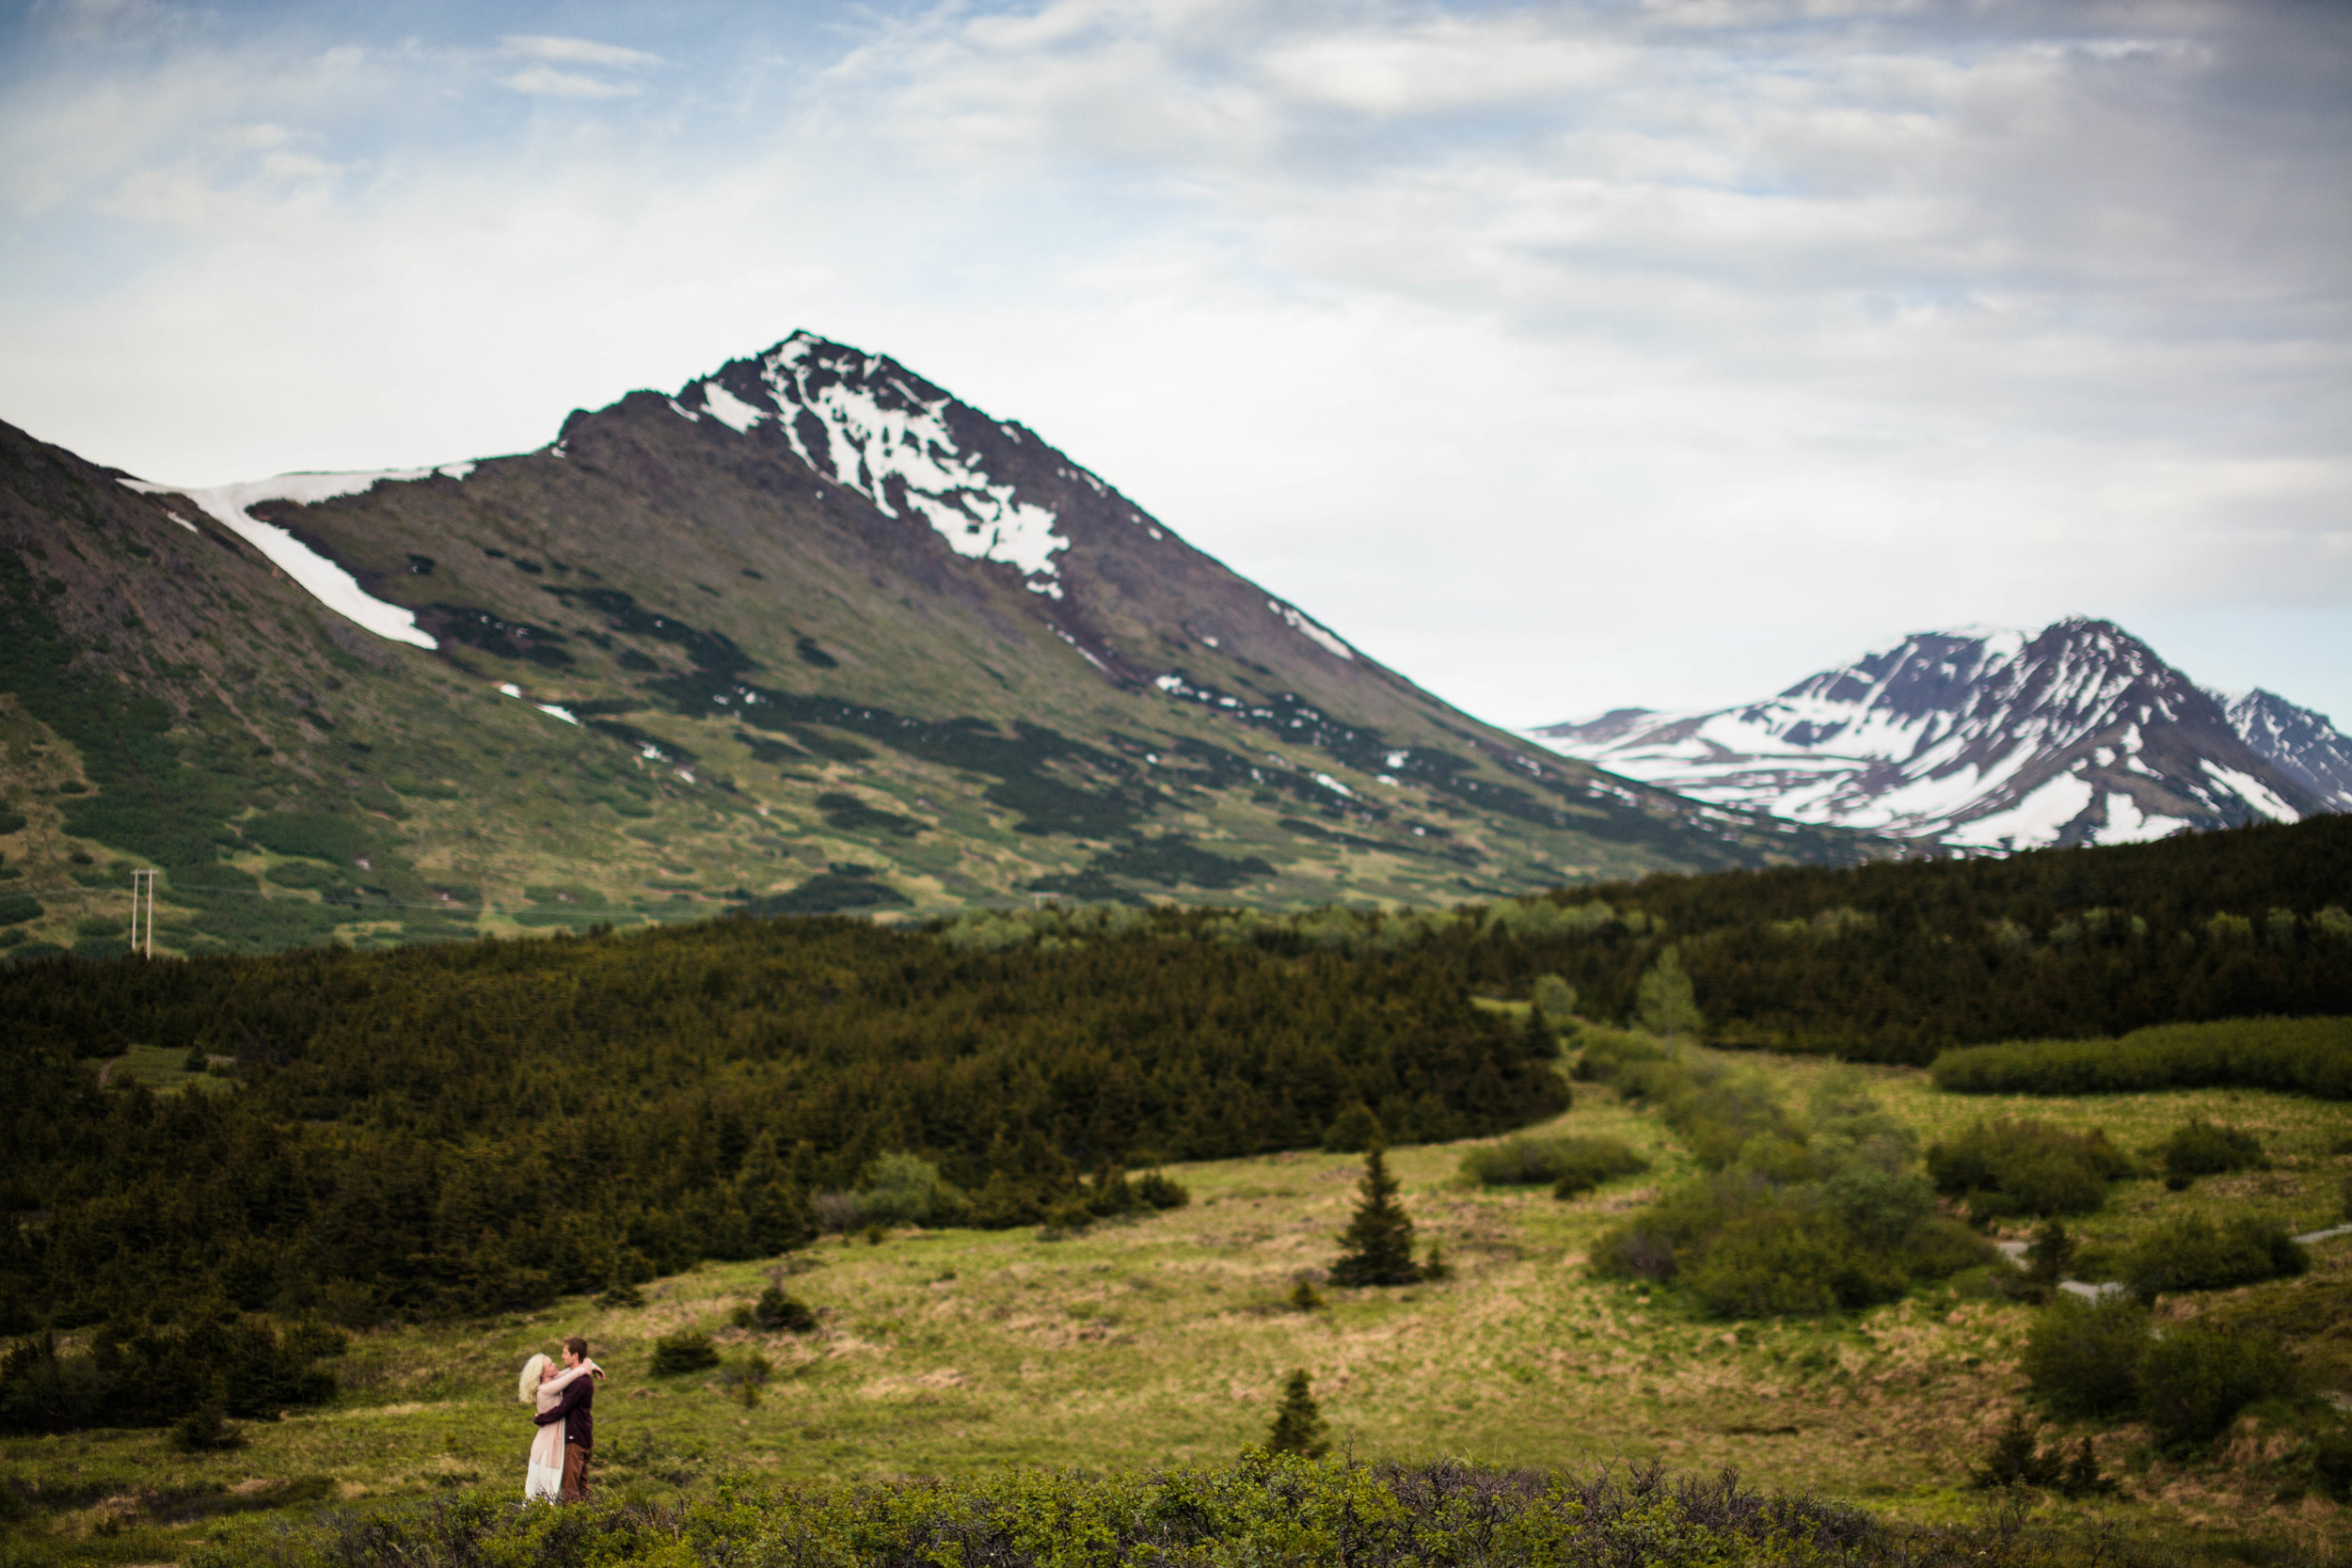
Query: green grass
[(1165, 1340), (163, 1071)]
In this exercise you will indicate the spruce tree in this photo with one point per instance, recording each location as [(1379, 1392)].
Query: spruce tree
[(1379, 1242), (1298, 1424)]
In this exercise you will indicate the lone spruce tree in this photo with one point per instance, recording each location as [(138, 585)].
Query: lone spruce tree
[(1379, 1242), (1298, 1424)]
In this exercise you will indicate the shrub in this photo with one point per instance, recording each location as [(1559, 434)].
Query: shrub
[(2197, 1379), (1572, 1164), (1586, 1163), (778, 1313), (2200, 1148), (2016, 1459), (2005, 1167), (1554, 1000), (1664, 999), (2192, 1253), (674, 1355), (906, 1189), (205, 1429), (2082, 1358), (1304, 1297), (2301, 1055), (1156, 1191), (2331, 1464), (1787, 1260)]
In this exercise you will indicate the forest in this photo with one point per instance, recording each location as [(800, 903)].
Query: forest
[(470, 1127)]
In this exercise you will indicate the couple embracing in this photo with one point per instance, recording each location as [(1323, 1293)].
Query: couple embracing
[(562, 1400)]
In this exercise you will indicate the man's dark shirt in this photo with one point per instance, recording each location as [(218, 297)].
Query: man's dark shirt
[(572, 1409)]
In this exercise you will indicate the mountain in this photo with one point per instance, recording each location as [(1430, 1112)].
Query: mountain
[(1980, 738), (809, 635), (2305, 745)]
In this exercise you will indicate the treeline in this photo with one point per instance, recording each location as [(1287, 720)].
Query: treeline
[(1899, 960), (2306, 1055), (482, 1127)]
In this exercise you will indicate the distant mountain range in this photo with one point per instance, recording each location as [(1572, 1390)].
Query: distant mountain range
[(1990, 739), (809, 635)]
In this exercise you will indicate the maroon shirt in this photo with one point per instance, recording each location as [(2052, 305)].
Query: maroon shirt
[(572, 1409)]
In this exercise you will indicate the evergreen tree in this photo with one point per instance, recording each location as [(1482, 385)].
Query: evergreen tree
[(1664, 999), (1379, 1242), (1298, 1424), (2047, 1258)]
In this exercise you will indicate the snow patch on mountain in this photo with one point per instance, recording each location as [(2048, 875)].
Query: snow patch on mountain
[(2304, 745), (863, 423), (322, 579), (1307, 628)]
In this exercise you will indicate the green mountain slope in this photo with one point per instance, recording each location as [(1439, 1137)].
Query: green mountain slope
[(811, 634)]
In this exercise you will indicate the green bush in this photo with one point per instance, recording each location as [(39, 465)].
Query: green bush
[(778, 1313), (1574, 1164), (1780, 1261), (1586, 1163), (2298, 1055), (1554, 1000), (2191, 1253), (1264, 1509), (16, 907), (2082, 1358), (1155, 1190), (2197, 1379), (2200, 1148), (674, 1355), (2003, 1168), (314, 835)]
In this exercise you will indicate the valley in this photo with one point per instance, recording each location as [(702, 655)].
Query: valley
[(1164, 1339)]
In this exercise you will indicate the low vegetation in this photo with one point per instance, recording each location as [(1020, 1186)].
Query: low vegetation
[(1568, 1166), (2002, 1168), (2299, 1055), (1792, 1216)]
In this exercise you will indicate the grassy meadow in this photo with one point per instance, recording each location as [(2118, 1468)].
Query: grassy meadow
[(1164, 1339)]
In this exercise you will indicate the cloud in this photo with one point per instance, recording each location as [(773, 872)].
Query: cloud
[(565, 51), (1563, 356), (546, 82)]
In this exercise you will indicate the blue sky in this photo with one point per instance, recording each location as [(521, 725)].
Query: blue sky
[(1564, 356)]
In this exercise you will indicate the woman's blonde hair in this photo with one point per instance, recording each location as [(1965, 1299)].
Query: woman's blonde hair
[(534, 1373)]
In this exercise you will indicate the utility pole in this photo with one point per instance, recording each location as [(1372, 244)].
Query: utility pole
[(143, 882)]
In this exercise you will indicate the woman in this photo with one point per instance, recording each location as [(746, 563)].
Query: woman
[(542, 1381)]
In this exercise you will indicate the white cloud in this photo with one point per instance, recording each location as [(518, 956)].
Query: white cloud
[(548, 82), (565, 51), (1562, 357)]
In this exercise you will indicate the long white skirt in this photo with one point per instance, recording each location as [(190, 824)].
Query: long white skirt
[(544, 1476)]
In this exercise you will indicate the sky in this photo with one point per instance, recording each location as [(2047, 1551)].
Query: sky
[(1564, 356)]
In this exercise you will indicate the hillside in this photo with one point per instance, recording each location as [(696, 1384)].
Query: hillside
[(2076, 734), (811, 634)]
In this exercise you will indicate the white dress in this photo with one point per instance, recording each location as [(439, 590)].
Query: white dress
[(544, 1476)]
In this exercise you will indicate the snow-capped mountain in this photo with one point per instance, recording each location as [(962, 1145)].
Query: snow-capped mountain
[(1991, 738), (2305, 745)]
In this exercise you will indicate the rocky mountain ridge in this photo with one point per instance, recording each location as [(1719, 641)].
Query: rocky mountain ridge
[(1991, 738)]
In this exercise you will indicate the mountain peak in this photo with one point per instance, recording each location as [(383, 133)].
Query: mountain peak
[(1992, 738)]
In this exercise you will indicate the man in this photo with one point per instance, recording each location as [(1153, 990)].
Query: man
[(573, 1408)]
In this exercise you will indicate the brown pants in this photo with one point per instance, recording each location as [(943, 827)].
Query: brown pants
[(575, 1473)]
